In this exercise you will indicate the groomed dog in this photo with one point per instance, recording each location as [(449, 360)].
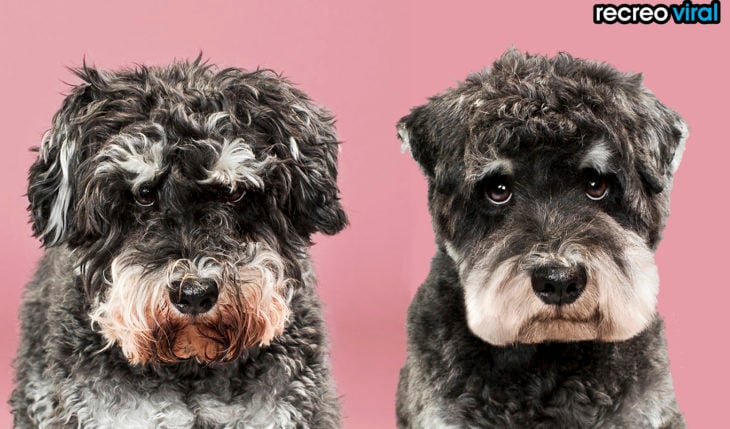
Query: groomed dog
[(548, 185), (176, 205)]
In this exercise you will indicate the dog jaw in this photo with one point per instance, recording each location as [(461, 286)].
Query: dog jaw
[(136, 313), (502, 309)]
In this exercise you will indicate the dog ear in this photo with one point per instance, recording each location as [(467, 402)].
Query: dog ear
[(414, 132), (303, 138), (51, 190), (435, 132), (664, 138)]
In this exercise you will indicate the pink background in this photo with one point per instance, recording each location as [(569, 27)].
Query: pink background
[(369, 62)]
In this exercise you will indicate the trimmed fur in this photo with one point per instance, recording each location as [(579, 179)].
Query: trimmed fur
[(483, 349)]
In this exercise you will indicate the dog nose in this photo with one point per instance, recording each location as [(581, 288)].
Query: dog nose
[(558, 285), (194, 296)]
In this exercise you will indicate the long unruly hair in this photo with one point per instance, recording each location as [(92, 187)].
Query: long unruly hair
[(194, 134), (136, 314)]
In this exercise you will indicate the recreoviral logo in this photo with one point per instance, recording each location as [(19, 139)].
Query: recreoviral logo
[(685, 13)]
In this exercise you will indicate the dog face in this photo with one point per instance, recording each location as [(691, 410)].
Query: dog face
[(188, 197), (549, 185)]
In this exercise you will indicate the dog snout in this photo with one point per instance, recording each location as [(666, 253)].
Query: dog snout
[(559, 285), (194, 296)]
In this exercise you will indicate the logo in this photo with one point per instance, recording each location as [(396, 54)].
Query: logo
[(685, 13)]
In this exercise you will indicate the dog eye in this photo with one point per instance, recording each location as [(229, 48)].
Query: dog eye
[(596, 186), (498, 191), (234, 195), (145, 196)]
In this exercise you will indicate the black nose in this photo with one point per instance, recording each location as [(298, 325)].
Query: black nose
[(559, 285), (194, 296)]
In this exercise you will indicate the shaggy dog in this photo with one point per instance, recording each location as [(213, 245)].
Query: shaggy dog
[(176, 205), (548, 185)]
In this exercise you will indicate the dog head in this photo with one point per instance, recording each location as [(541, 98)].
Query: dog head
[(187, 196), (549, 184)]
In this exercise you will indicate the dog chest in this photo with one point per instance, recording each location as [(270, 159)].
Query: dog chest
[(112, 406)]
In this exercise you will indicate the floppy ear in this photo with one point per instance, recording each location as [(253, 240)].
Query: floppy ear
[(664, 139), (430, 131), (416, 136), (51, 190), (436, 132), (304, 140)]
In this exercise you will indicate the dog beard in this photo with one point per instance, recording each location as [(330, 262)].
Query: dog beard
[(136, 313), (618, 302)]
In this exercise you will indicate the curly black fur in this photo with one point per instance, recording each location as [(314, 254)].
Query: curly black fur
[(540, 126), (189, 138)]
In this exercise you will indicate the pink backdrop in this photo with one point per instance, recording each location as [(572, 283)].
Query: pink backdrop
[(369, 62)]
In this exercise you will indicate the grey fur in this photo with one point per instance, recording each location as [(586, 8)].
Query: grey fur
[(546, 128), (242, 168)]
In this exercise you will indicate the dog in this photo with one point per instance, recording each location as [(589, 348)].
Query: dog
[(548, 186), (176, 206)]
